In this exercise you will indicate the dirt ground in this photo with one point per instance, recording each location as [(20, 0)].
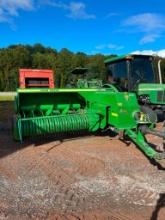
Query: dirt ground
[(87, 178)]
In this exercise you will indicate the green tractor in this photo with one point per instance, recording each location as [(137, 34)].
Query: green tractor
[(81, 79), (143, 75)]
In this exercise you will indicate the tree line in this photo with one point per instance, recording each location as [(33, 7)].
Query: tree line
[(37, 56)]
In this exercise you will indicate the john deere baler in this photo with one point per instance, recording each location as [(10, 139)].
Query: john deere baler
[(77, 111)]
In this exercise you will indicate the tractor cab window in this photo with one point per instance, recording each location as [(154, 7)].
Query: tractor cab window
[(141, 71), (117, 74)]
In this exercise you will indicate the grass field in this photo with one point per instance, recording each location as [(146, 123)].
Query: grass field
[(6, 98)]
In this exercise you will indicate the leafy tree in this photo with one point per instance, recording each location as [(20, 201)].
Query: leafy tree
[(96, 66), (80, 60), (64, 65), (43, 61), (37, 56), (11, 60)]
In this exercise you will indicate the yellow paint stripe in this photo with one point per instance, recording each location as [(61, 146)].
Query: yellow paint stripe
[(114, 114)]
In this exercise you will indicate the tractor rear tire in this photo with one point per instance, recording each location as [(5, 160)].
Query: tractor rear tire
[(160, 115)]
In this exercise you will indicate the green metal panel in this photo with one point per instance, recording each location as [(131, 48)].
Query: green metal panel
[(115, 59), (156, 92), (115, 104)]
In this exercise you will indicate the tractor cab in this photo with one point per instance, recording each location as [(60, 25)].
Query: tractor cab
[(142, 74), (129, 71), (80, 79)]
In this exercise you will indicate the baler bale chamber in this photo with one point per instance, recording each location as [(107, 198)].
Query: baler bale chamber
[(76, 111)]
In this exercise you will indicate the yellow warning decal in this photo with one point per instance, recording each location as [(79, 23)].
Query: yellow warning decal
[(142, 116), (114, 114)]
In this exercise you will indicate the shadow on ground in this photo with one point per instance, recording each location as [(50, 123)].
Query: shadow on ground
[(9, 146), (160, 204)]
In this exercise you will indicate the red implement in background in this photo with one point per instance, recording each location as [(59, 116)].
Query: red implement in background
[(36, 78)]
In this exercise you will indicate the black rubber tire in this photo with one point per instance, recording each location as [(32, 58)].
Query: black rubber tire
[(160, 115)]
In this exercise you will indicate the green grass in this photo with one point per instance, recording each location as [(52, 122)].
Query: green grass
[(6, 98)]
